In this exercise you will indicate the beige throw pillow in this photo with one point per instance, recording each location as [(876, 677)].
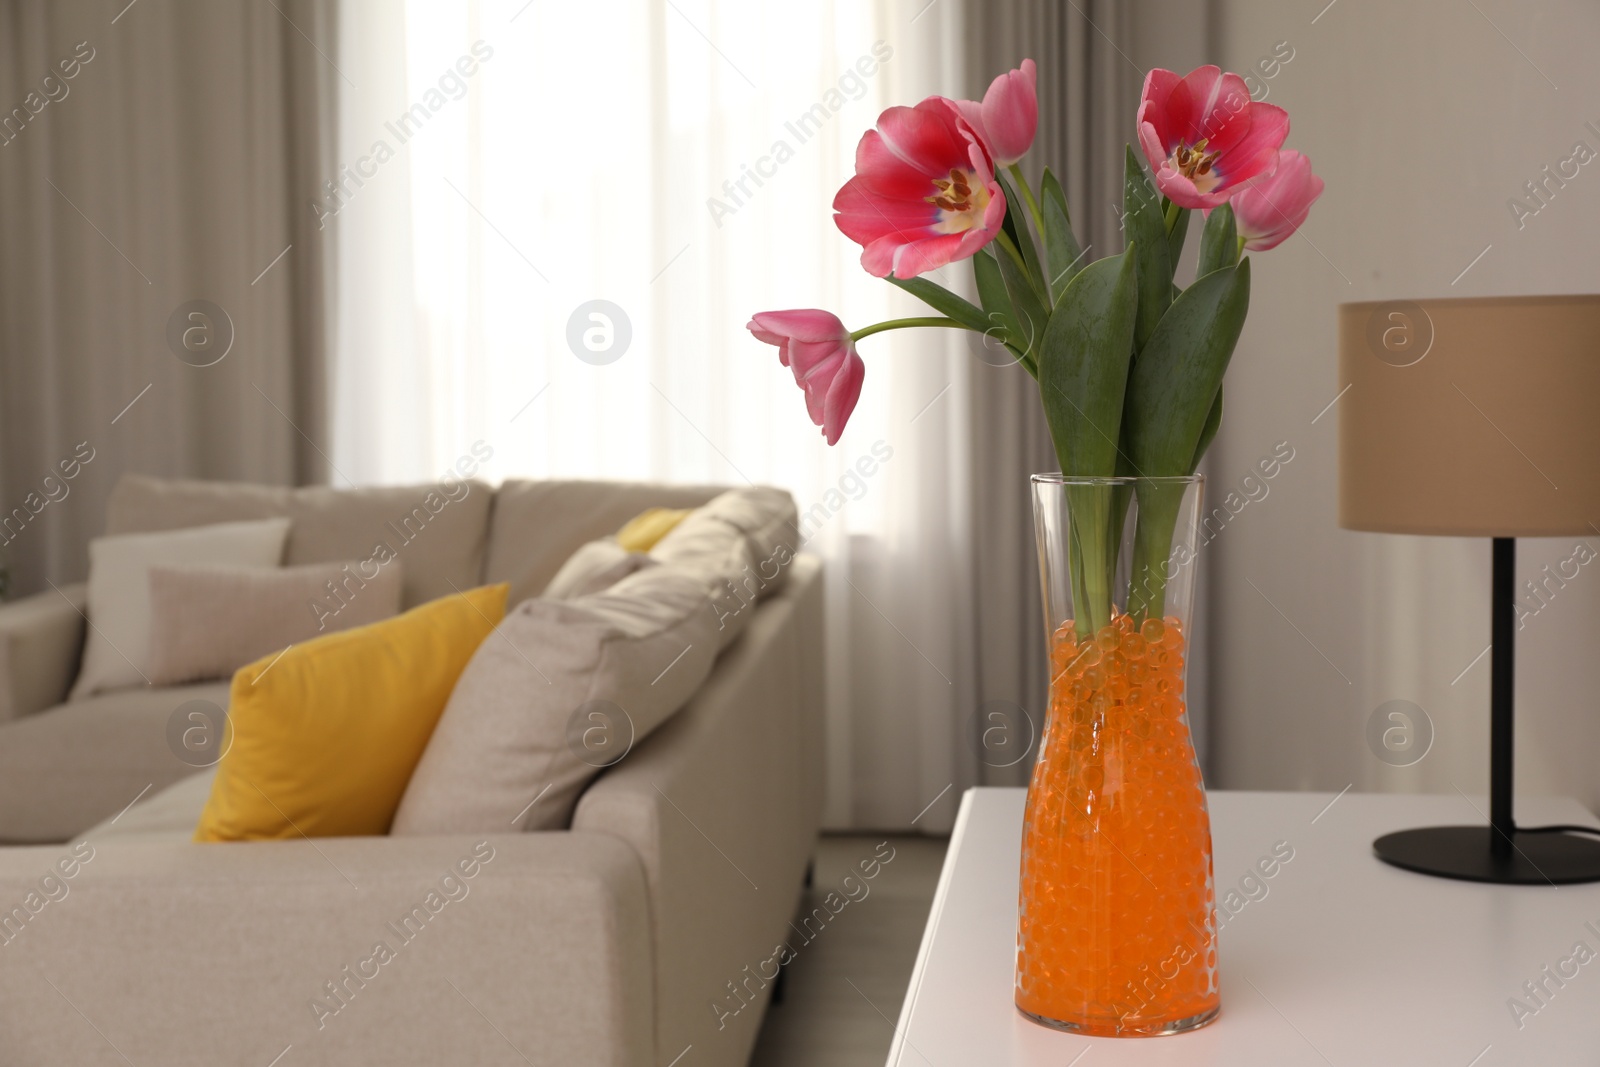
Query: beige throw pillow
[(594, 568), (560, 690), (117, 650), (208, 621), (742, 543), (565, 688)]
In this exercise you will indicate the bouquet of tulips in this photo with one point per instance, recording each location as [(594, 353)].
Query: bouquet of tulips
[(1129, 366)]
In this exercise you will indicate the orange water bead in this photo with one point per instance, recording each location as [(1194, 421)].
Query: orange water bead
[(1087, 657), (1102, 929)]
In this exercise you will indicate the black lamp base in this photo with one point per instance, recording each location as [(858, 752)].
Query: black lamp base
[(1465, 852)]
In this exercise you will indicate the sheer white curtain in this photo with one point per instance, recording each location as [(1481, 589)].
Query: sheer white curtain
[(511, 162)]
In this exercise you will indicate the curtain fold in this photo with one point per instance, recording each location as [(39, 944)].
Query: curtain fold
[(150, 158)]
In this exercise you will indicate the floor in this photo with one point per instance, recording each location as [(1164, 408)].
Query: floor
[(843, 990)]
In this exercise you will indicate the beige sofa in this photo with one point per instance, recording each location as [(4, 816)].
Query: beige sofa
[(612, 942)]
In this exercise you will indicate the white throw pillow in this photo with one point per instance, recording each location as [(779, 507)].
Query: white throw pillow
[(117, 651)]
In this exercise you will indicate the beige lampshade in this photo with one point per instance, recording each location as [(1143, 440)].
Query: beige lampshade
[(1471, 417)]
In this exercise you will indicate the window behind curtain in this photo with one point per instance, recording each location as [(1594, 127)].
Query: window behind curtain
[(547, 156)]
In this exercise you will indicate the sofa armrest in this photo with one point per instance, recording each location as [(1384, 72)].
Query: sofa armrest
[(41, 637), (724, 803), (385, 950)]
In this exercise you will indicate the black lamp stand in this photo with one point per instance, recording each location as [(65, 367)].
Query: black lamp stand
[(1499, 852)]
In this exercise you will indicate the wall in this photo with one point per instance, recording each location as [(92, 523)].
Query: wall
[(1424, 118)]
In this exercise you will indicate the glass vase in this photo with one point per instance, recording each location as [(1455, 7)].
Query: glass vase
[(1115, 931)]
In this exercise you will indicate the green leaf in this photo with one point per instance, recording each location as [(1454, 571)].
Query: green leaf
[(1219, 243), (1176, 236), (1063, 259), (1083, 364), (1173, 384), (1031, 316), (944, 301), (997, 307), (1144, 228), (1208, 432), (1015, 225)]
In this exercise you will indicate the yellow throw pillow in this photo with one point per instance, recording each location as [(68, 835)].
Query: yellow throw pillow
[(325, 736), (649, 526)]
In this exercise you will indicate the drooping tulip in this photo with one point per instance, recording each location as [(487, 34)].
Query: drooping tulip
[(1271, 208), (923, 194), (817, 347), (1008, 117), (1203, 135)]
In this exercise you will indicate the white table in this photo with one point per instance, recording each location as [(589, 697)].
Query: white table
[(1344, 960)]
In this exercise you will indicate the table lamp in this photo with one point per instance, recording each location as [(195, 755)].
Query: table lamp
[(1477, 417)]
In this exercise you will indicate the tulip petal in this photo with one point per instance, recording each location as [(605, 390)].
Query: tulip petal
[(880, 170), (1183, 192), (813, 358), (1193, 100), (840, 402), (864, 216), (805, 324), (1207, 124), (924, 137), (1269, 210), (1010, 113), (817, 347), (1150, 139), (1153, 111), (917, 182), (1254, 151)]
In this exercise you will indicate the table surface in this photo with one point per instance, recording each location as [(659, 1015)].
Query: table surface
[(1341, 960)]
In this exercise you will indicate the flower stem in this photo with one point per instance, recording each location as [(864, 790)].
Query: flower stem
[(1027, 194), (1171, 214), (904, 324)]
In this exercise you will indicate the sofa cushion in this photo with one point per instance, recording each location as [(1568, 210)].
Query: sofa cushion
[(168, 814), (563, 690), (325, 735), (67, 768), (116, 653), (207, 622), (437, 530), (537, 525)]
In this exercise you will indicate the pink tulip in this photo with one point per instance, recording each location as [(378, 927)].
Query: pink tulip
[(1009, 115), (1273, 206), (1204, 136), (923, 194), (817, 347)]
